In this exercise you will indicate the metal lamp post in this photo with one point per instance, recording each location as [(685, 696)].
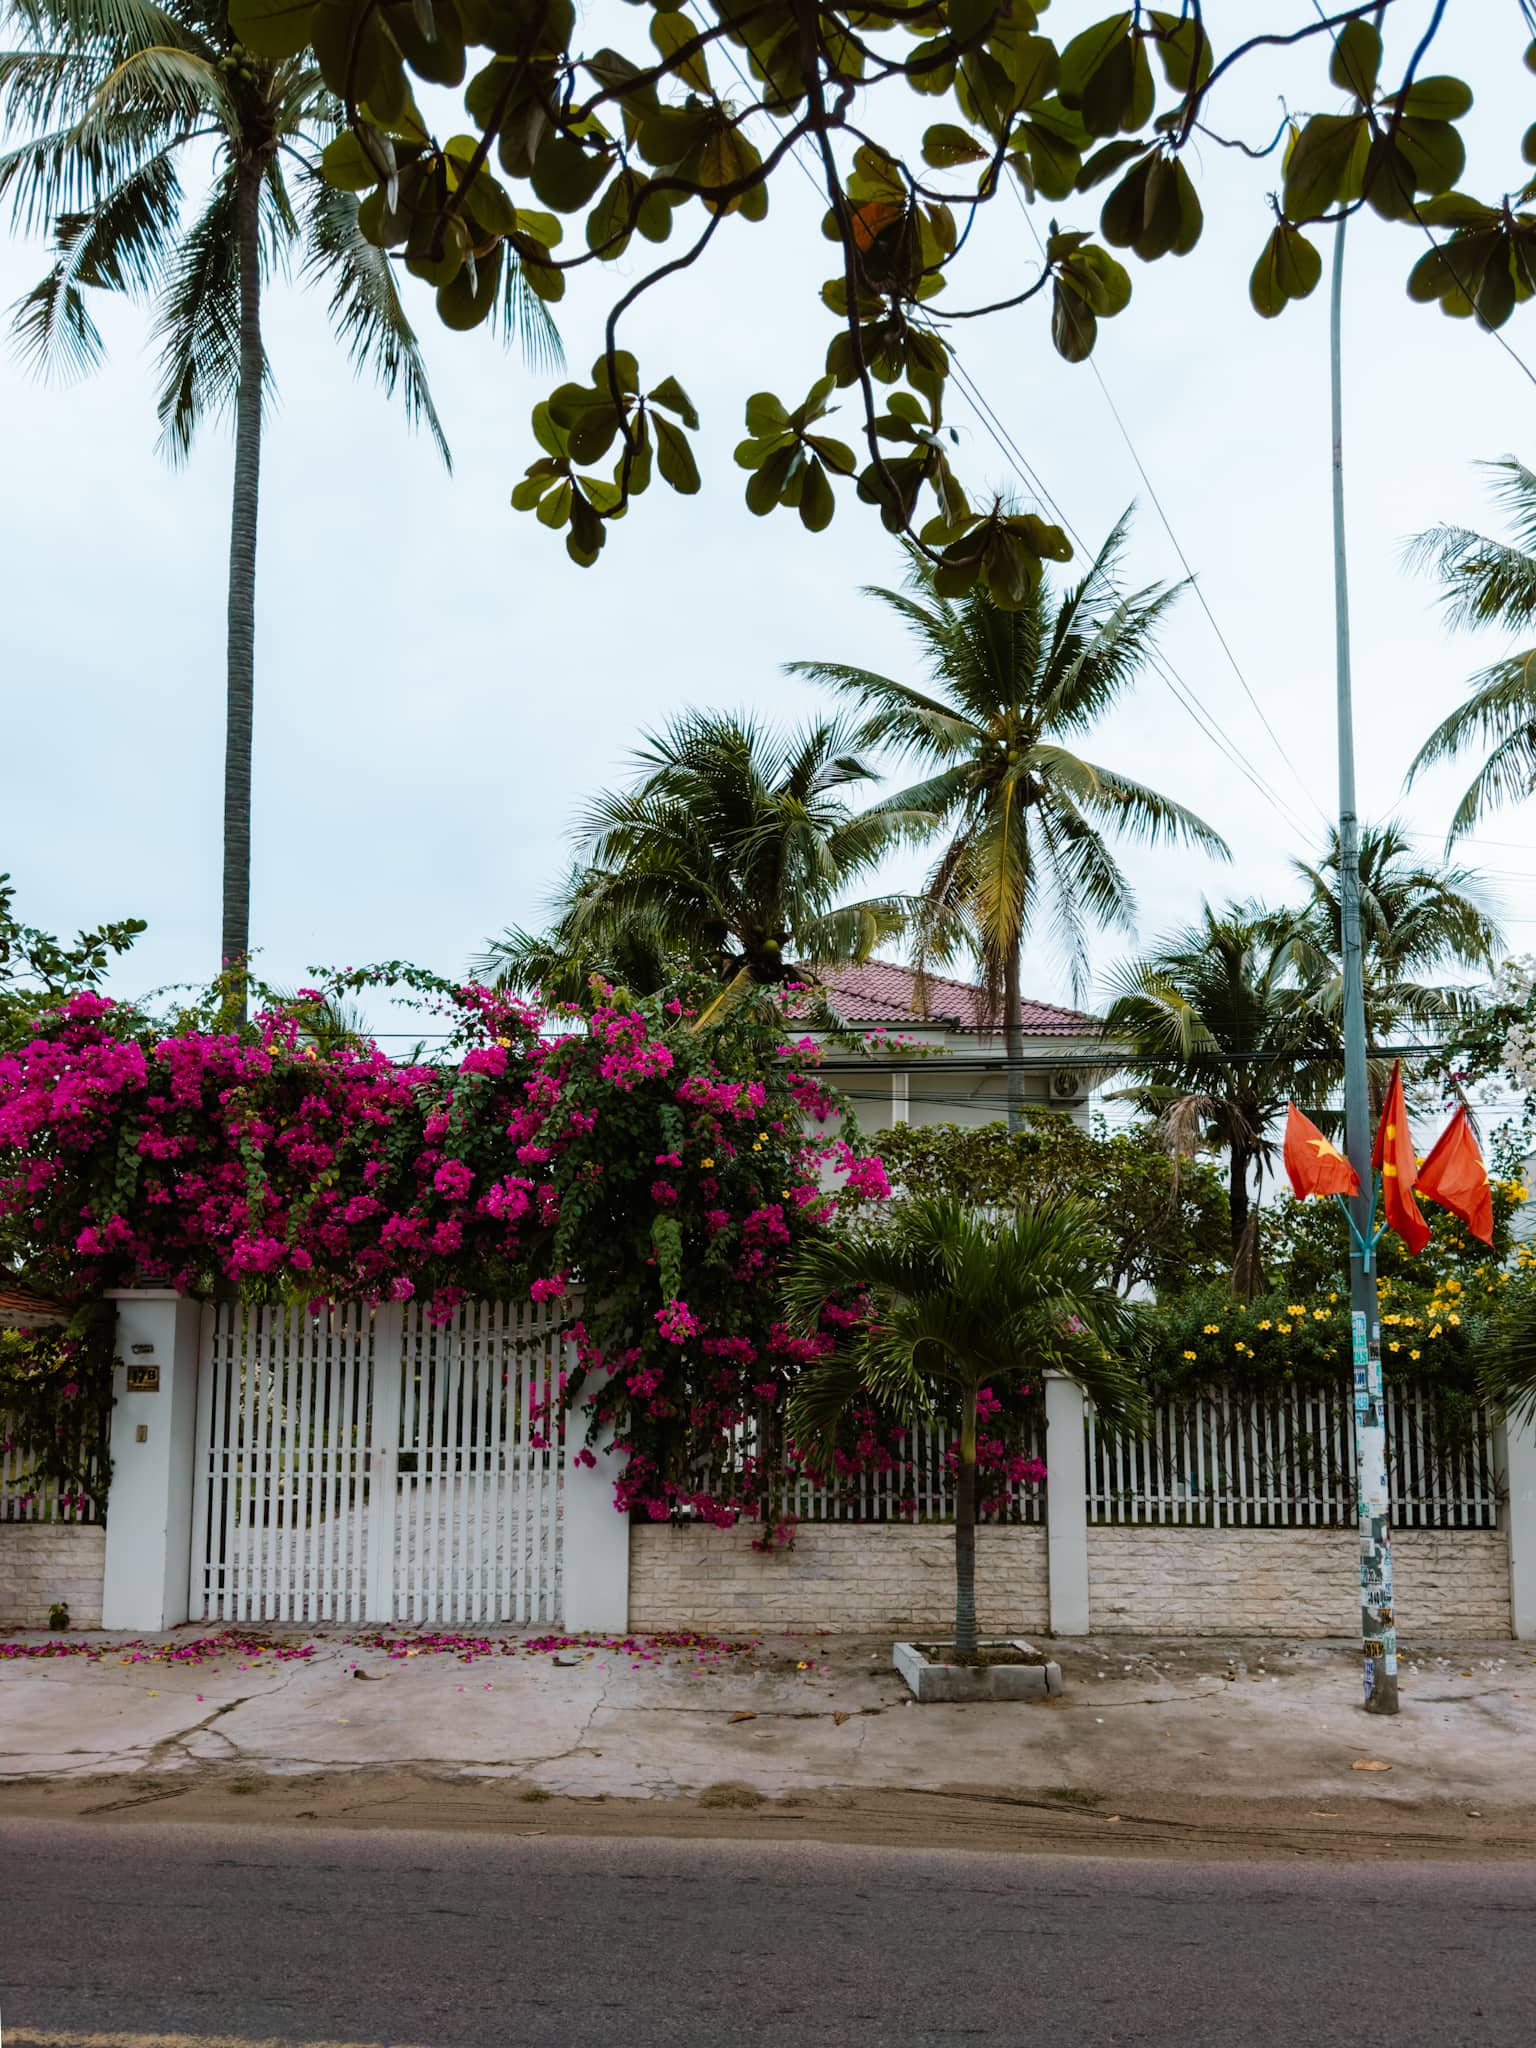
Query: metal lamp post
[(1378, 1629)]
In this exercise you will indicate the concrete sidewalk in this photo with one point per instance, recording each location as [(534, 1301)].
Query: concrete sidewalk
[(1190, 1720)]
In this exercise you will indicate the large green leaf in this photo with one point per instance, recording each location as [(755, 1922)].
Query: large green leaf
[(1288, 269), (1356, 62), (272, 28)]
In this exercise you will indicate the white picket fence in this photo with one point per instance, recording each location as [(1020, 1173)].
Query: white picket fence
[(371, 1464), (920, 1488), (25, 1498), (1286, 1460)]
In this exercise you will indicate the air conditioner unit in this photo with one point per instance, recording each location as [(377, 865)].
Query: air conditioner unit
[(1066, 1083)]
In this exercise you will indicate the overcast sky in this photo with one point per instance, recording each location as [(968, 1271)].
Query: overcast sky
[(439, 687)]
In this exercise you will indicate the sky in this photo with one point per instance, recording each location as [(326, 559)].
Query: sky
[(439, 688)]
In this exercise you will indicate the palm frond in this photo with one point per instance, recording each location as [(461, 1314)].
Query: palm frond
[(365, 306), (197, 324)]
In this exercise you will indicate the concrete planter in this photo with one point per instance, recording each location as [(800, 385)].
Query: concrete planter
[(938, 1684)]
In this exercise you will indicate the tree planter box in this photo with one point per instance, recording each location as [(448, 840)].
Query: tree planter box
[(938, 1684)]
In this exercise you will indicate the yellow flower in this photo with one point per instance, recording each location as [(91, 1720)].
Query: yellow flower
[(1333, 1297), (1295, 1308), (1319, 1315), (1191, 1354), (1394, 1345), (1213, 1329), (1413, 1354), (503, 1041), (1265, 1324), (1453, 1287), (1454, 1320), (1434, 1332), (1285, 1329), (706, 1162)]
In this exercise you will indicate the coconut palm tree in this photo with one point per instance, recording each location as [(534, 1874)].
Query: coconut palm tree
[(1487, 582), (1218, 1039), (111, 100), (1418, 919), (1024, 815), (731, 853), (959, 1299)]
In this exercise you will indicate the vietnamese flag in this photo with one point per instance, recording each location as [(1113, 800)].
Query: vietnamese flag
[(1454, 1176), (1393, 1156), (1316, 1166)]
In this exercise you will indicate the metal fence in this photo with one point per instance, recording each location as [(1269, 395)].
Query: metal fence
[(1286, 1460), (24, 1497)]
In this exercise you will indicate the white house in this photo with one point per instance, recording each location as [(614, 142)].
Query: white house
[(941, 1060)]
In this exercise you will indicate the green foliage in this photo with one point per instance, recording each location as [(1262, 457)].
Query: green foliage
[(1024, 817), (1163, 1220), (679, 134), (728, 854), (1306, 1245), (1486, 582), (38, 971), (56, 1404)]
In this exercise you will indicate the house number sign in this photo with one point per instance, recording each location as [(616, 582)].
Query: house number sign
[(143, 1379)]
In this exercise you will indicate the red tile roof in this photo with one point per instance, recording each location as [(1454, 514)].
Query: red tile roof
[(19, 1305), (881, 992)]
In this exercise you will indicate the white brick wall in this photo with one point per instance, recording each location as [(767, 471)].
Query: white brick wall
[(1298, 1582), (41, 1562), (839, 1575)]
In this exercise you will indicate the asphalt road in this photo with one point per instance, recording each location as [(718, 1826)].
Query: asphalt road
[(131, 1935)]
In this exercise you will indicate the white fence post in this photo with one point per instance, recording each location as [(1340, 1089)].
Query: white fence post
[(1518, 1447), (383, 1461), (1066, 1505), (154, 1459), (594, 1545)]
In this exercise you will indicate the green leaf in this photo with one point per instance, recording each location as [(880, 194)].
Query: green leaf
[(608, 228), (817, 502), (669, 32), (1035, 69), (1289, 268), (272, 28), (1185, 49), (345, 164), (466, 300), (674, 458), (1437, 99), (565, 175), (767, 480), (1073, 326), (1106, 161), (1326, 164), (670, 393), (1356, 62), (1435, 154), (945, 145)]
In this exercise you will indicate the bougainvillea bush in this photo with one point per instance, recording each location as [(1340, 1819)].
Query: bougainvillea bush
[(667, 1170)]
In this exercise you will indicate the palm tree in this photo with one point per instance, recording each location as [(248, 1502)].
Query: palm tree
[(1024, 814), (730, 853), (957, 1300), (1417, 919), (110, 97), (1218, 1039), (1489, 583)]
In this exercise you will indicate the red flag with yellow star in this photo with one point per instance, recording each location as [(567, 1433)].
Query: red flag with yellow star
[(1315, 1164), (1454, 1176), (1393, 1157)]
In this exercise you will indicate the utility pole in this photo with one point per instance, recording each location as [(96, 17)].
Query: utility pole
[(1378, 1627)]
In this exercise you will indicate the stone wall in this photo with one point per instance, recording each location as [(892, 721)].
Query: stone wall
[(879, 1580), (41, 1562), (864, 1580), (1296, 1582)]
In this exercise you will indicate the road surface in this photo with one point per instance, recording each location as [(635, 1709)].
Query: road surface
[(132, 1936)]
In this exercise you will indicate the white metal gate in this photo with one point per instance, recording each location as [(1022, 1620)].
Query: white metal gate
[(369, 1464)]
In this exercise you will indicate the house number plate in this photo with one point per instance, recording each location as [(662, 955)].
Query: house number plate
[(143, 1379)]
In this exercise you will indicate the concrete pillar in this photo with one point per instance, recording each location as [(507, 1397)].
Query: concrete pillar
[(1519, 1462), (1066, 1505), (154, 1457), (594, 1546)]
